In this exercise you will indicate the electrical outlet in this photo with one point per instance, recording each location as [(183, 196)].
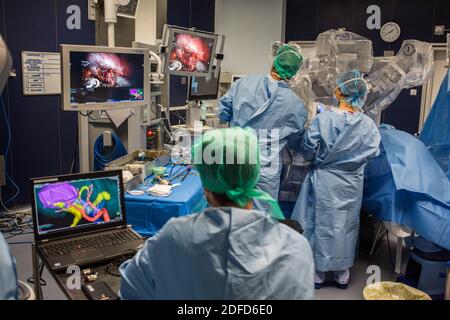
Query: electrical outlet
[(2, 171)]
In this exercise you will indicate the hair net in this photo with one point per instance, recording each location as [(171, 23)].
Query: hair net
[(287, 61), (353, 87), (236, 179)]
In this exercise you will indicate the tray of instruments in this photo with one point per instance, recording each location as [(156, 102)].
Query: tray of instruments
[(140, 164)]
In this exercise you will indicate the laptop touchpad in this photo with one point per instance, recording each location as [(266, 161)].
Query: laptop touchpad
[(87, 256)]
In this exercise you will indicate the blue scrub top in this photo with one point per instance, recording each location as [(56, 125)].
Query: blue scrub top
[(222, 253)]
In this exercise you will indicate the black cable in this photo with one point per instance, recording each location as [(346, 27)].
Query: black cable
[(112, 273), (95, 119), (41, 271), (75, 153), (87, 113), (116, 264), (15, 222)]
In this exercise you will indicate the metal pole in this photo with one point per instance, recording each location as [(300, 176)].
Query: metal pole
[(111, 35), (398, 259), (36, 272), (377, 236)]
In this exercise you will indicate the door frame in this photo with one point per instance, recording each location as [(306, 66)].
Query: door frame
[(427, 88)]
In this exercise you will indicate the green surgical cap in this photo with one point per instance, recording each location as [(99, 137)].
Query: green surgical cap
[(228, 162), (288, 61)]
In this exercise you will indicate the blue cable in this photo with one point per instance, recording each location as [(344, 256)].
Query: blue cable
[(8, 144), (15, 186), (7, 127), (100, 160)]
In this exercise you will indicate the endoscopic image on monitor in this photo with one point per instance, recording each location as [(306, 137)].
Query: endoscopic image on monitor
[(190, 53), (106, 77), (78, 203)]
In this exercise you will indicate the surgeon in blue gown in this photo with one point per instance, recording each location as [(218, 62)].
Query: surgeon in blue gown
[(339, 143), (229, 251), (267, 104), (8, 276)]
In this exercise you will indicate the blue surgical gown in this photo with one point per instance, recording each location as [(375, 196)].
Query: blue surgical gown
[(222, 253), (339, 144), (406, 185), (260, 102), (435, 133), (8, 275)]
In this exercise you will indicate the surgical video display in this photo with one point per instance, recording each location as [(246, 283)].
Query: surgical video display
[(190, 53), (106, 77), (75, 204)]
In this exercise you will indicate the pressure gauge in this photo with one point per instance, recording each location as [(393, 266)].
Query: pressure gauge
[(390, 32)]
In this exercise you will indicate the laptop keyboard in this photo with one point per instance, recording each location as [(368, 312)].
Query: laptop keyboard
[(90, 242)]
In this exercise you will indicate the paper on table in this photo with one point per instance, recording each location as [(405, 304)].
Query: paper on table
[(118, 117), (160, 190)]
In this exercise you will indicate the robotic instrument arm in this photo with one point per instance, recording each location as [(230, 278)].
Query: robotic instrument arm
[(337, 51)]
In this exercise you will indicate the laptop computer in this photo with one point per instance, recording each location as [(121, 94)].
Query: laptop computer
[(80, 219)]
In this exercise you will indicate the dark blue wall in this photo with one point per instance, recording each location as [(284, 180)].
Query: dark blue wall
[(43, 137), (305, 19), (188, 13)]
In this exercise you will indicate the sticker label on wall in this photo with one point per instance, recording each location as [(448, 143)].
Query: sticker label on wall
[(41, 73)]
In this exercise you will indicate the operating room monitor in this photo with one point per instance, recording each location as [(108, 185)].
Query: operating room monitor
[(190, 53), (99, 78), (77, 203), (203, 88)]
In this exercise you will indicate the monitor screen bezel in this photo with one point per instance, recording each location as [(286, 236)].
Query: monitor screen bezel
[(83, 230), (192, 97), (67, 105), (171, 34)]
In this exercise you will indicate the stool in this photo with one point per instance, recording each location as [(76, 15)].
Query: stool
[(432, 275), (428, 266)]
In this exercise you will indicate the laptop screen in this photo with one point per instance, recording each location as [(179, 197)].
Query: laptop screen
[(77, 203)]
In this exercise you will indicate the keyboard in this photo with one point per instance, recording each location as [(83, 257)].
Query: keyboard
[(89, 242)]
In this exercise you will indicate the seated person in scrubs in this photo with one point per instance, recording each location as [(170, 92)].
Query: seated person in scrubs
[(8, 276), (229, 251)]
